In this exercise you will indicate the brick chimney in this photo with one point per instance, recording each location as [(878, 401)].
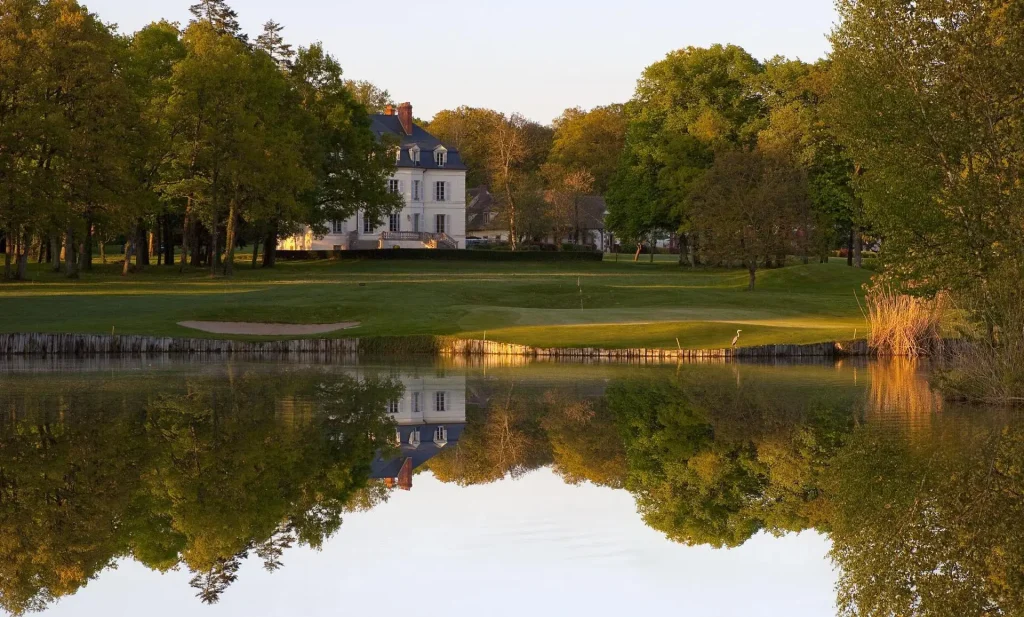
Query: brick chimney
[(389, 110), (405, 476), (405, 117)]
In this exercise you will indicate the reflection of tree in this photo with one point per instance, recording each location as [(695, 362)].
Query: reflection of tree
[(201, 478), (930, 524), (585, 441), (712, 463), (504, 440)]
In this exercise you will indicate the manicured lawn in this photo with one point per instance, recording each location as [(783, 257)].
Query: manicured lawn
[(588, 304)]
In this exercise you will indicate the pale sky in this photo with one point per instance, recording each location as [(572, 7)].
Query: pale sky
[(533, 546), (536, 57)]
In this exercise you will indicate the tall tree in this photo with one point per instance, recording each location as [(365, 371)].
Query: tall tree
[(86, 103), (512, 164), (591, 141), (927, 97), (687, 106), (468, 130), (152, 54), (349, 164), (566, 189), (218, 15), (210, 91), (746, 207), (272, 41), (372, 97)]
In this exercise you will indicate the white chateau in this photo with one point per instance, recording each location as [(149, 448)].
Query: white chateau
[(432, 182), (429, 417)]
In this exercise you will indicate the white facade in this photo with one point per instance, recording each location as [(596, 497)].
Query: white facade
[(433, 401), (424, 213), (432, 182)]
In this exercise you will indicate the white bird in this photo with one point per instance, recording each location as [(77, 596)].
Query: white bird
[(736, 339)]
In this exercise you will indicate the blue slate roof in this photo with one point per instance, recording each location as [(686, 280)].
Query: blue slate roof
[(382, 124), (381, 468)]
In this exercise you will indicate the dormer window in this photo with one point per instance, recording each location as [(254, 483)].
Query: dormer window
[(414, 155), (440, 156)]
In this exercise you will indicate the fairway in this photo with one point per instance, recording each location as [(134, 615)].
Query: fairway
[(611, 305)]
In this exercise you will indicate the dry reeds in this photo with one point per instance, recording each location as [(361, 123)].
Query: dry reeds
[(900, 394), (902, 325)]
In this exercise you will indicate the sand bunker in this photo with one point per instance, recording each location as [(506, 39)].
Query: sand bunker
[(266, 329)]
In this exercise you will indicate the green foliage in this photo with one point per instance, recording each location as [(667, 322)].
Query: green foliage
[(196, 476), (942, 162), (197, 129), (746, 207), (590, 141), (685, 107)]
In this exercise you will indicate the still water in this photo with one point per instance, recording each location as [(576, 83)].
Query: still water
[(160, 487)]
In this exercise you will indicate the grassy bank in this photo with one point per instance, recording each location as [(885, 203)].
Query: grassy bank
[(588, 304)]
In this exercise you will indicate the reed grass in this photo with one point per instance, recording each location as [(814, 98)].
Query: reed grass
[(904, 325)]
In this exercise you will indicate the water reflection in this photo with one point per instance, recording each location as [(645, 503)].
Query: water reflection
[(201, 468)]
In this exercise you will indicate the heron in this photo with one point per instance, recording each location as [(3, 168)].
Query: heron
[(736, 339)]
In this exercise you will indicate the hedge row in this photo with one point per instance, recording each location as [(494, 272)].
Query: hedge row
[(445, 255)]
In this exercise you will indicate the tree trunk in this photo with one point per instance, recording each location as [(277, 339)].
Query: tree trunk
[(141, 255), (7, 255), (168, 241), (103, 251), (214, 253), (151, 252), (654, 248), (70, 265), (229, 238), (753, 277), (129, 248), (87, 247), (184, 234), (639, 247), (55, 252), (858, 246), (270, 247), (255, 253), (159, 237), (849, 248), (41, 255), (23, 257)]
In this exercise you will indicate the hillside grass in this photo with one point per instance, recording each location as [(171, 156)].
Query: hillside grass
[(622, 304)]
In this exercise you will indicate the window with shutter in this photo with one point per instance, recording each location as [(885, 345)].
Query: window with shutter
[(439, 191), (395, 224)]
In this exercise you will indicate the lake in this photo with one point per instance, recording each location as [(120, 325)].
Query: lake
[(161, 486)]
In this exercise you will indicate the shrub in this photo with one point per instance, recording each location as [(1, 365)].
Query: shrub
[(981, 372), (988, 366), (446, 255), (904, 325)]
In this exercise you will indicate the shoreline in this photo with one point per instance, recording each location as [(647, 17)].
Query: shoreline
[(84, 345)]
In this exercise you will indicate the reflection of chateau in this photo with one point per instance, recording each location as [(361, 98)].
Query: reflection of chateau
[(430, 416)]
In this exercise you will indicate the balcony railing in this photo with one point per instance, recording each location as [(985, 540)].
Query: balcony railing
[(430, 240)]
